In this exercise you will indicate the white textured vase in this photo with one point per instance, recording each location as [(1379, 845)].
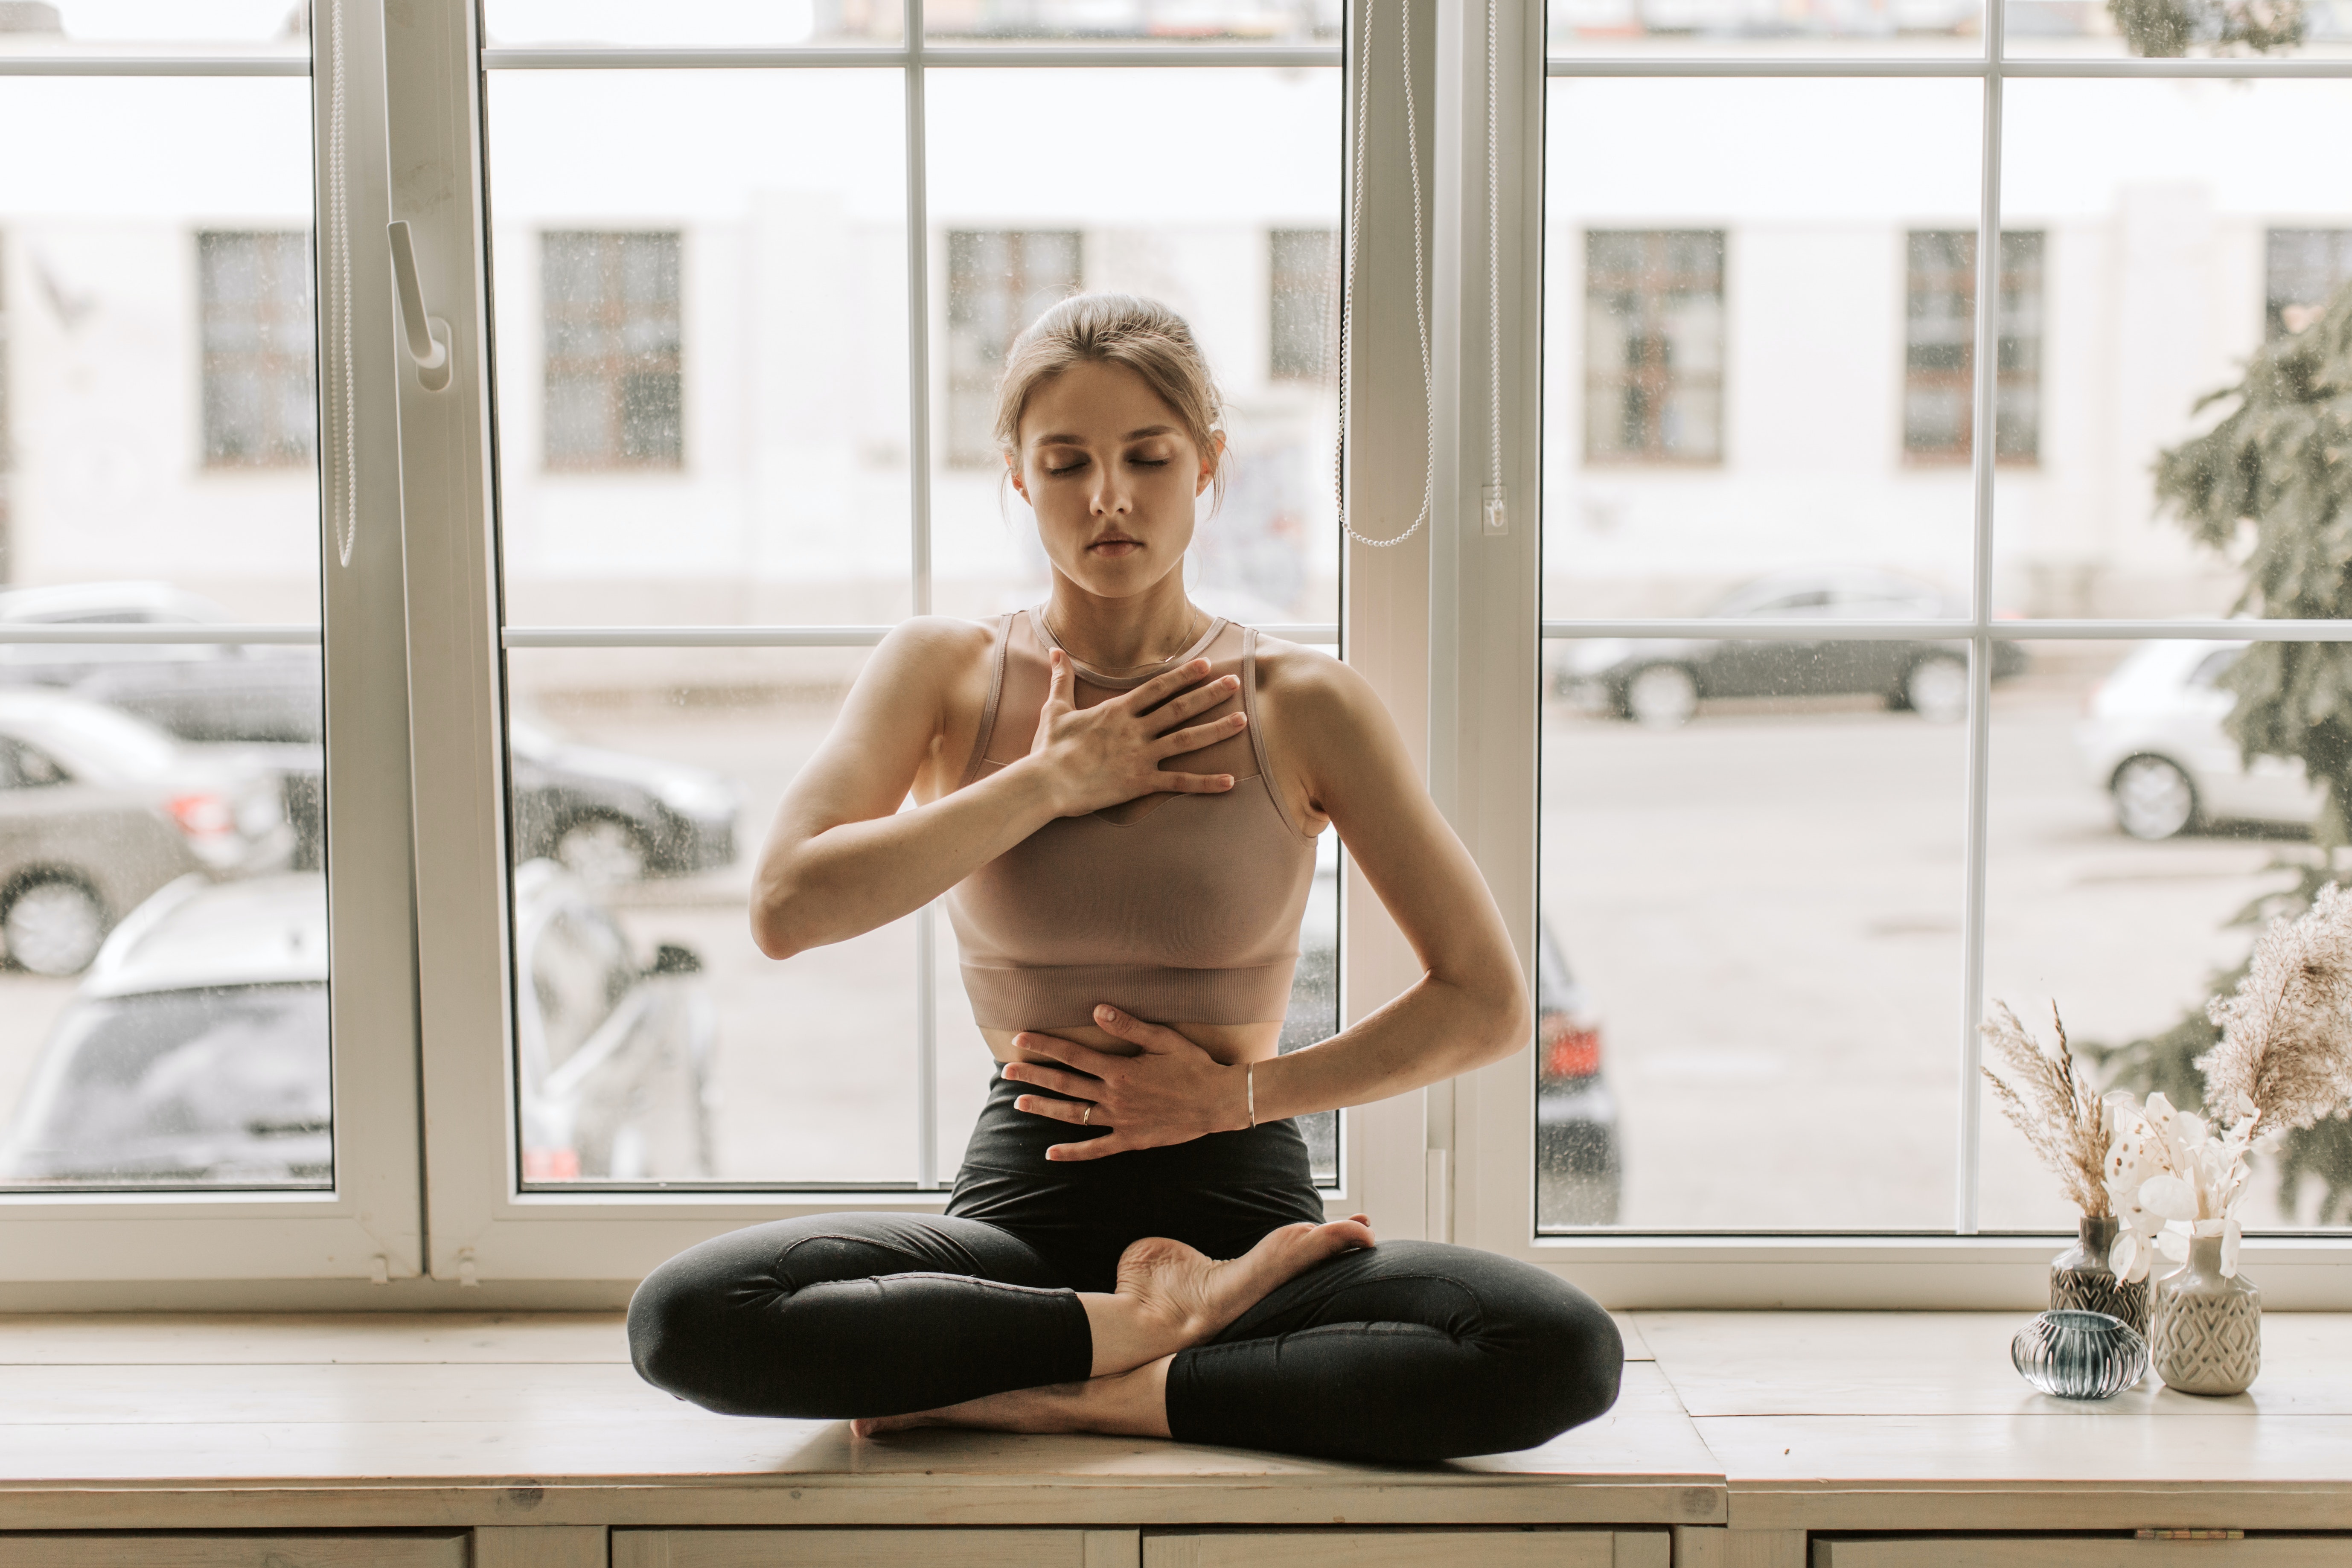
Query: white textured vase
[(2205, 1331)]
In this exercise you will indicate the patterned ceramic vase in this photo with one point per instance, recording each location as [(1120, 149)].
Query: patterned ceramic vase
[(2205, 1332), (2081, 1281)]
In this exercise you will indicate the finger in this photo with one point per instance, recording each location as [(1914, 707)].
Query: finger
[(1201, 735), (1185, 704), (1172, 782), (1069, 1110), (1152, 1037), (1161, 688), (1051, 1077), (1057, 681), (1094, 1149), (1070, 1054)]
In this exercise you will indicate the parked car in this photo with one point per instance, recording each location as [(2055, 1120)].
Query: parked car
[(1579, 1175), (607, 816), (196, 1051), (98, 809), (1659, 681), (1577, 1164), (2152, 737)]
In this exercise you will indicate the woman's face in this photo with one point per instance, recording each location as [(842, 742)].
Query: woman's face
[(1107, 468)]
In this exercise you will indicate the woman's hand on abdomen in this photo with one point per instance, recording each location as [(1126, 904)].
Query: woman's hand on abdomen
[(1169, 1091)]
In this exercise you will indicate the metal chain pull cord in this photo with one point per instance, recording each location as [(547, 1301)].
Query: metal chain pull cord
[(1420, 282)]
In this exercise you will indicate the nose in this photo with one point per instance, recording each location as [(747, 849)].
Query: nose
[(1109, 497)]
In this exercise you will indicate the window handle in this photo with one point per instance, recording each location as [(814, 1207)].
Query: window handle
[(428, 336)]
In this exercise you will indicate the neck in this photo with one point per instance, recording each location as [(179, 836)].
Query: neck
[(1118, 635)]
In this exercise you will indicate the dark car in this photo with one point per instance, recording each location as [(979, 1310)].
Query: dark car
[(605, 815), (1577, 1172), (196, 1051), (1659, 681), (1576, 1117)]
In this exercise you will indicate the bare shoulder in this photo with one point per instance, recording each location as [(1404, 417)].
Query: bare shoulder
[(1306, 686), (942, 643)]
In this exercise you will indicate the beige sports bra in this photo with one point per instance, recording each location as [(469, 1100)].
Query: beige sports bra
[(1178, 908)]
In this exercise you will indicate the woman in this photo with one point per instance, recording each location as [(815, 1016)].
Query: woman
[(1119, 794)]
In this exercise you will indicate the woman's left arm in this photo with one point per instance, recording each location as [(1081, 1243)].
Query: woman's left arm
[(1470, 1005), (1468, 1008)]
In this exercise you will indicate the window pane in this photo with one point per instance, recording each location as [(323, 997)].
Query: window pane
[(2070, 29), (1135, 21), (2175, 241), (1231, 255), (1756, 351), (2130, 835), (130, 27), (691, 24), (163, 903), (654, 1042), (1803, 29), (1751, 902), (699, 292)]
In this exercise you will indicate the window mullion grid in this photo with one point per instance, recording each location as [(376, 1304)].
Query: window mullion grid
[(1986, 445), (919, 447)]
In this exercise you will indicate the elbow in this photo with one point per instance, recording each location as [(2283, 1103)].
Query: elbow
[(778, 929), (1508, 1022)]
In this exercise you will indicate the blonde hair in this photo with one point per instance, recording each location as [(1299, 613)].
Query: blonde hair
[(1143, 335)]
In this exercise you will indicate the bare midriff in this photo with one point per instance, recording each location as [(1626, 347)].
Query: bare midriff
[(1231, 1044)]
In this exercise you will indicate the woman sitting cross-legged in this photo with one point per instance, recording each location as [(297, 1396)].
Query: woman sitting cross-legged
[(1120, 794)]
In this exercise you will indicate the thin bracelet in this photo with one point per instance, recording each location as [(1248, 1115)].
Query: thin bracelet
[(1249, 1080)]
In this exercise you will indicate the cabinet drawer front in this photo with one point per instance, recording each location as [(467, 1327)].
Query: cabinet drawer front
[(2083, 1551), (1380, 1549), (871, 1548), (441, 1549)]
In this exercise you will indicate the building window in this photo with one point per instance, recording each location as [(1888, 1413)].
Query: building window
[(998, 280), (1653, 346), (615, 368), (1939, 347), (1303, 279), (254, 291), (2305, 269)]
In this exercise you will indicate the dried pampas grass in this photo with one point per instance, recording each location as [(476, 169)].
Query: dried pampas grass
[(2286, 1035), (2053, 1104)]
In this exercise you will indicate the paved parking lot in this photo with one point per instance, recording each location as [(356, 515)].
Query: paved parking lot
[(1764, 907)]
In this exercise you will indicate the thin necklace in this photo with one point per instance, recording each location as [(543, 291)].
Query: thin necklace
[(1121, 669)]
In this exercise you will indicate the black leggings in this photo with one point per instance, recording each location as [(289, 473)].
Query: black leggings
[(1410, 1350)]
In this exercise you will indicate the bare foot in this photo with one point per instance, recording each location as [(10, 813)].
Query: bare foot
[(1196, 1296)]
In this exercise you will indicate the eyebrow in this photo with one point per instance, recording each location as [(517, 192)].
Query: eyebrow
[(1131, 436)]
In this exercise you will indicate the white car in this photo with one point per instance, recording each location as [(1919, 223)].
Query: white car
[(2154, 739), (195, 1053)]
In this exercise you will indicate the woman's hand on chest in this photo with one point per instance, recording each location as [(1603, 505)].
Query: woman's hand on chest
[(1110, 753)]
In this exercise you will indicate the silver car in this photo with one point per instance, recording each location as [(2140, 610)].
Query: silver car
[(195, 1053), (98, 809), (2154, 739)]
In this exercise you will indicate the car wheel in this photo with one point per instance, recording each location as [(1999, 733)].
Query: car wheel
[(54, 927), (2154, 799), (1936, 688), (1662, 696), (601, 851)]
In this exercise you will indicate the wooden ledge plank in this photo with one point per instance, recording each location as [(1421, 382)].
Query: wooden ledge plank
[(263, 1339), (1400, 1496)]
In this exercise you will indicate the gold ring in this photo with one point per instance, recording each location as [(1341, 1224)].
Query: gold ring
[(1087, 1119)]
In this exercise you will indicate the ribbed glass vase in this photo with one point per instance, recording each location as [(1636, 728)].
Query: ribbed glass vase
[(2079, 1355)]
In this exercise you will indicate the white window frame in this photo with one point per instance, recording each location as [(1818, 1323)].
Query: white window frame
[(1485, 608), (484, 1227), (91, 1249)]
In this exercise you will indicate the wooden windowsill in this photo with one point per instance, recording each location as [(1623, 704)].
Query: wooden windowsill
[(1763, 1421)]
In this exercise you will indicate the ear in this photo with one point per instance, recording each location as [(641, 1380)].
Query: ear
[(1209, 463), (1013, 472)]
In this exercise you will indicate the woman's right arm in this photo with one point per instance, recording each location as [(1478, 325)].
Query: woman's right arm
[(842, 859)]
